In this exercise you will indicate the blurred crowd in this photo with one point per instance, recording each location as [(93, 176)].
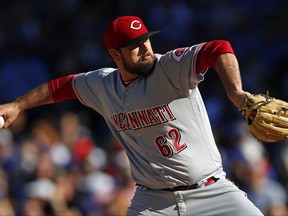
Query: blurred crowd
[(62, 160)]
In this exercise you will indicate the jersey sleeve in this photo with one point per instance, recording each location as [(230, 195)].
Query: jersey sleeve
[(84, 86), (186, 67), (91, 88), (179, 67)]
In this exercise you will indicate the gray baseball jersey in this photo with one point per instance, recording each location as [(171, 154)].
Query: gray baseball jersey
[(160, 120)]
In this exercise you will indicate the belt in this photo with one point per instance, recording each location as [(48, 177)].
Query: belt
[(200, 184)]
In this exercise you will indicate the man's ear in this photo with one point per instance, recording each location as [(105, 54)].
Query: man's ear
[(115, 54)]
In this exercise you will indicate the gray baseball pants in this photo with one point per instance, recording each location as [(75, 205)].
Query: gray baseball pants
[(222, 198)]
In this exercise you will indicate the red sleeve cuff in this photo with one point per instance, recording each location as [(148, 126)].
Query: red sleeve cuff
[(210, 52), (61, 88)]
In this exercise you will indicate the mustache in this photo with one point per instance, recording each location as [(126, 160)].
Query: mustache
[(146, 55)]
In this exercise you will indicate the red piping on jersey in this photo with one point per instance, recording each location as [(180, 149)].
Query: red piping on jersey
[(210, 52)]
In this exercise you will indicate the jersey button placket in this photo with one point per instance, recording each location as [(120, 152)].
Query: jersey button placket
[(125, 102)]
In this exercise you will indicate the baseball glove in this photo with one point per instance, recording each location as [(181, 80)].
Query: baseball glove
[(267, 117)]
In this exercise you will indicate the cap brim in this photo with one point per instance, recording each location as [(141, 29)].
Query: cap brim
[(140, 38)]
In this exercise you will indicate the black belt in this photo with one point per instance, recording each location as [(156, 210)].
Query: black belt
[(204, 183)]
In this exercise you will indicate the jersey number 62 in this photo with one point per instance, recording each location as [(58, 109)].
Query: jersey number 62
[(166, 149)]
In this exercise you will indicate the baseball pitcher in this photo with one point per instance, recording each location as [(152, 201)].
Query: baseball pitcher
[(152, 104)]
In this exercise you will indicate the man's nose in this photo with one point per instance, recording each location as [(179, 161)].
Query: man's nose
[(144, 47)]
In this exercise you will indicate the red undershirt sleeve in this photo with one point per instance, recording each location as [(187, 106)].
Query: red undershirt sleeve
[(61, 88), (210, 52)]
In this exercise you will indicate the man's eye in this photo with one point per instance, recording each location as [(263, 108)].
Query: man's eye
[(134, 46)]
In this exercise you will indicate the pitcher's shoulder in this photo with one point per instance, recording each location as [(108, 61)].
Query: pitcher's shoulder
[(102, 72)]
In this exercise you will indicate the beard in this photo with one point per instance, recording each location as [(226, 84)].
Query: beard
[(141, 68)]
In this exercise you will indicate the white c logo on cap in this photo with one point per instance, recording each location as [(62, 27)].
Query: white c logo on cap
[(137, 26)]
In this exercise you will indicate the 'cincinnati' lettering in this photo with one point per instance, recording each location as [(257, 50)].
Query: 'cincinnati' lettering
[(142, 118)]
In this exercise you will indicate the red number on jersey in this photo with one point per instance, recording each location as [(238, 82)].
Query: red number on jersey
[(175, 134), (165, 149)]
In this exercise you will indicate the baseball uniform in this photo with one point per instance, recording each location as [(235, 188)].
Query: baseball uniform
[(162, 123)]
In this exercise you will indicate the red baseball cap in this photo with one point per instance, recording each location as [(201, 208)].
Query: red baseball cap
[(125, 31)]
